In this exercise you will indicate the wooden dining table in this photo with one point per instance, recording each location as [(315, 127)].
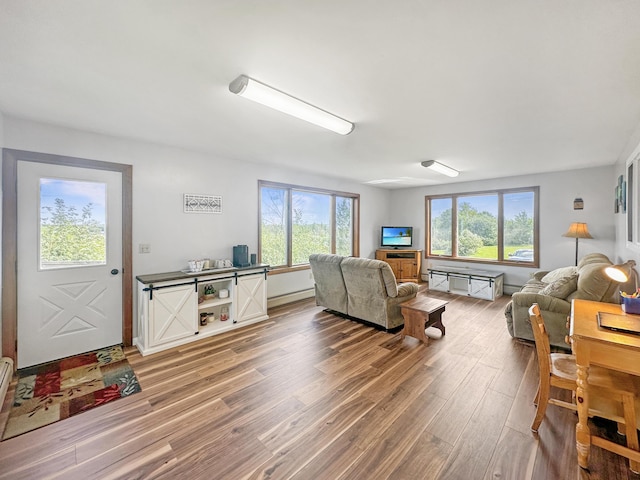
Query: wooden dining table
[(595, 345)]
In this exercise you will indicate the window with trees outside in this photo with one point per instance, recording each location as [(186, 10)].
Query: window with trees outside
[(298, 221), (72, 229), (497, 226)]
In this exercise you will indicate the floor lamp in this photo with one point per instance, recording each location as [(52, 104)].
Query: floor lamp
[(577, 230)]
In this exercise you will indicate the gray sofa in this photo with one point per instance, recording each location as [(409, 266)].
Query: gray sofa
[(361, 288), (553, 292)]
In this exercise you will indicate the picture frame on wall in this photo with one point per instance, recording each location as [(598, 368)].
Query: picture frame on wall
[(198, 203), (629, 202), (620, 205), (578, 204)]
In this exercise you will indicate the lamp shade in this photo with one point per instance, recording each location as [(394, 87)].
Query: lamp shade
[(621, 273), (578, 230)]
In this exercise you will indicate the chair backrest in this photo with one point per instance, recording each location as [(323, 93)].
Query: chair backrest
[(365, 277), (543, 348), (331, 291)]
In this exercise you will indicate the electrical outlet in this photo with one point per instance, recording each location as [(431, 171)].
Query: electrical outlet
[(144, 248)]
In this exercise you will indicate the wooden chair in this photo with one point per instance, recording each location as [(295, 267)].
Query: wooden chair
[(611, 394)]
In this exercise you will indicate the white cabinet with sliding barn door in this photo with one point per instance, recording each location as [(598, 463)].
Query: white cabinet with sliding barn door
[(176, 308), (471, 282), (251, 297), (173, 314)]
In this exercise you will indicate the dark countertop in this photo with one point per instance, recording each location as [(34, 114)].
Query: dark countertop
[(211, 273), (474, 272)]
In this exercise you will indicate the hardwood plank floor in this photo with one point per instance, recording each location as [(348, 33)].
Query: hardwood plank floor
[(310, 395)]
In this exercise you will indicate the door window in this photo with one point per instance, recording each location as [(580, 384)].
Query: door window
[(72, 223)]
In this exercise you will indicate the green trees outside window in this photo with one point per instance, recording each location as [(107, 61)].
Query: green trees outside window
[(69, 238), (298, 221), (72, 223), (475, 220)]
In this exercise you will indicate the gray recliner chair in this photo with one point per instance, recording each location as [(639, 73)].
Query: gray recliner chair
[(361, 288)]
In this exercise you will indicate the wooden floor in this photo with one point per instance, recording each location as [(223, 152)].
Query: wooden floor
[(310, 395)]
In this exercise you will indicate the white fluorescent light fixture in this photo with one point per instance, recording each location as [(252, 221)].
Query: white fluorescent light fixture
[(266, 95), (440, 168), (383, 180)]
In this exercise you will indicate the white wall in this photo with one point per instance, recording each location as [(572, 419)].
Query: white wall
[(1, 146), (557, 191), (162, 174), (627, 250)]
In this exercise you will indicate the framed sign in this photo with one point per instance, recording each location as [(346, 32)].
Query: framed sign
[(196, 203)]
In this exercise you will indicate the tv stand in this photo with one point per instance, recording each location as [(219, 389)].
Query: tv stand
[(406, 264)]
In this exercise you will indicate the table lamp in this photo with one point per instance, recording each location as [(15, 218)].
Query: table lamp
[(623, 272)]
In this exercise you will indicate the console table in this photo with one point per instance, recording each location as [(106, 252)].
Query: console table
[(472, 282), (173, 310)]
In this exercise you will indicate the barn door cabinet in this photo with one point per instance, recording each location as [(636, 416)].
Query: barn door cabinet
[(467, 281), (251, 298), (173, 308)]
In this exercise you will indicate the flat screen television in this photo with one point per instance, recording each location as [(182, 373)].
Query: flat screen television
[(395, 237)]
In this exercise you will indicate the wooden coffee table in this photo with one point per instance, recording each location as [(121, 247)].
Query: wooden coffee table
[(420, 313)]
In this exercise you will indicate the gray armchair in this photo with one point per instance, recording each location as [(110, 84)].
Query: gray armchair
[(372, 293), (553, 295)]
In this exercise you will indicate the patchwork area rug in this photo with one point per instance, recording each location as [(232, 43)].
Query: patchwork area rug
[(57, 390)]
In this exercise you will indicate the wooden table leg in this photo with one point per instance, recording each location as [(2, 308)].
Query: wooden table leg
[(583, 434), (417, 321), (628, 402), (435, 320), (414, 322)]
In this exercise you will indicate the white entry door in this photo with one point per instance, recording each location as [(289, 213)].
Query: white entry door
[(69, 277)]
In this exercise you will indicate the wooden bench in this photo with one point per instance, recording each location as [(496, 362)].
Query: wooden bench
[(420, 313)]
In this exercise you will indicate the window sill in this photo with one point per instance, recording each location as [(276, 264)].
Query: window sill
[(297, 268)]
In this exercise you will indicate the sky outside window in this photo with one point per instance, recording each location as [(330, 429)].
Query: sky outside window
[(75, 194)]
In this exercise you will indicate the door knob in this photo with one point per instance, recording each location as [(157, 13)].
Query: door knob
[(115, 271)]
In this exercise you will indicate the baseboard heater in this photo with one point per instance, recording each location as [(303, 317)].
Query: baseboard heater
[(290, 297), (6, 374)]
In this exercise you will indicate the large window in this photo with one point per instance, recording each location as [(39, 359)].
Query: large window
[(497, 226), (298, 221)]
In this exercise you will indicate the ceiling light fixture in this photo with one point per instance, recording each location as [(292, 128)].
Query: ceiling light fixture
[(440, 168), (266, 95), (383, 180)]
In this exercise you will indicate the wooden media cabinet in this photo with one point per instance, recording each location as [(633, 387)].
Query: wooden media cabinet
[(406, 264)]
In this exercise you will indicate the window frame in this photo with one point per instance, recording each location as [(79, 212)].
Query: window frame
[(289, 189), (455, 197)]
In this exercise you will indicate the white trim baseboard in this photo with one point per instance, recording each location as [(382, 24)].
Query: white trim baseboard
[(290, 297), (6, 375)]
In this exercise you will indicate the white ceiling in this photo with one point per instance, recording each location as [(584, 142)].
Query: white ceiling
[(492, 88)]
